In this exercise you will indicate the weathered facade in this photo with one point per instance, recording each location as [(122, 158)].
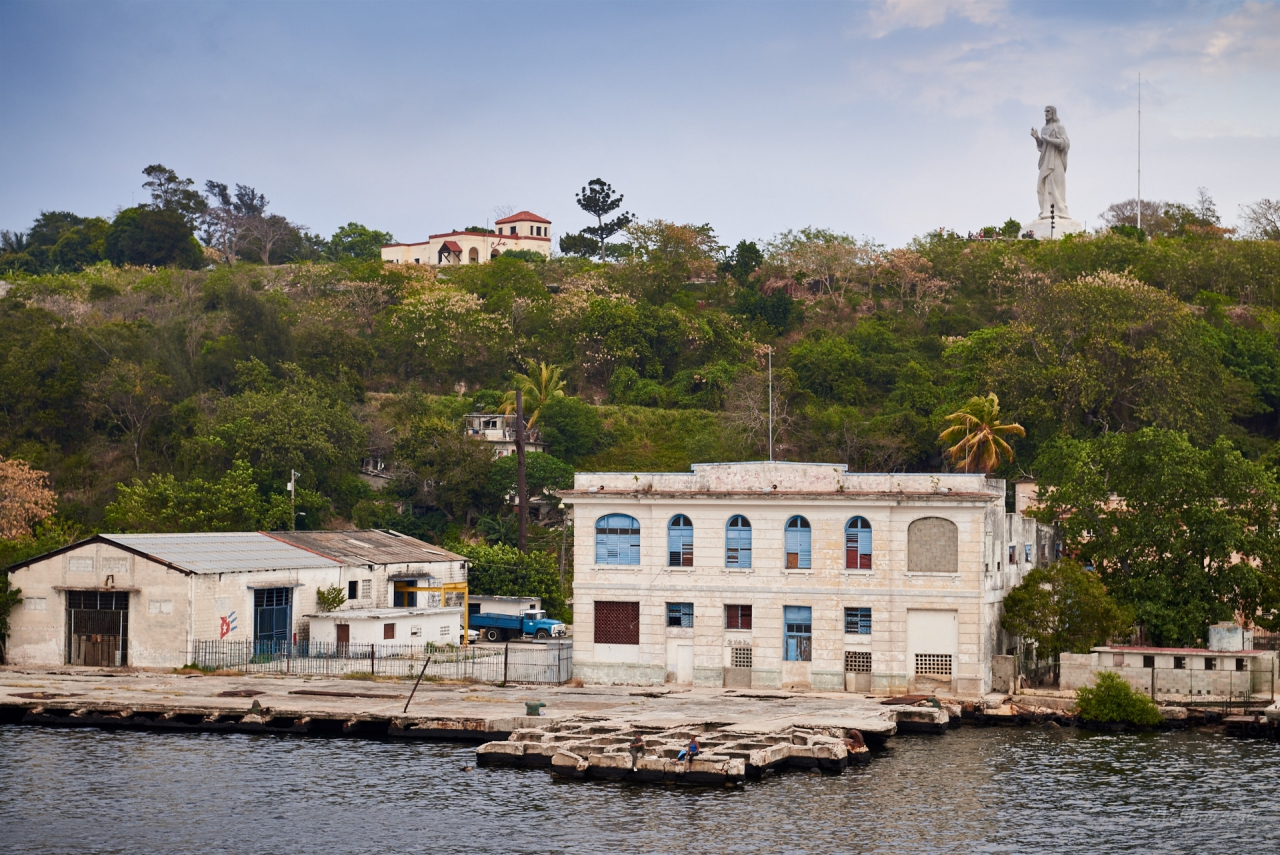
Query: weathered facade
[(795, 574), (145, 599)]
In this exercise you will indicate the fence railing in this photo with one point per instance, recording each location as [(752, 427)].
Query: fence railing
[(551, 662)]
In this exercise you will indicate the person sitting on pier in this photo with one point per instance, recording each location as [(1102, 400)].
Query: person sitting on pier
[(636, 748), (693, 750)]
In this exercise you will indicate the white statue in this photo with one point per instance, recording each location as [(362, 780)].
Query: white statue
[(1051, 185)]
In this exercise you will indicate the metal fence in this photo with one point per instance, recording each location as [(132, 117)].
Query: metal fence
[(551, 662)]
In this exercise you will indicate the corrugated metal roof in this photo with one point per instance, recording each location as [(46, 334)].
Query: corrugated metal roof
[(222, 552), (367, 546)]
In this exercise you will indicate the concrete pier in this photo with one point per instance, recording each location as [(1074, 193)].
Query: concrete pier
[(584, 732)]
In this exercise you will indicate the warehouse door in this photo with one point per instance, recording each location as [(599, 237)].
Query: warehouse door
[(98, 628), (272, 609)]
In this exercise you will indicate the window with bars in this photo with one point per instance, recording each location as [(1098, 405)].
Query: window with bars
[(933, 664), (857, 661), (797, 633), (680, 541), (740, 657), (857, 544), (857, 621), (680, 614), (737, 542), (799, 543), (617, 539), (737, 617), (617, 623)]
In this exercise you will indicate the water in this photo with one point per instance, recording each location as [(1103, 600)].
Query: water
[(92, 792)]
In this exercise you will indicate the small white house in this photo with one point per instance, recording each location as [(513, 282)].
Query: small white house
[(387, 626)]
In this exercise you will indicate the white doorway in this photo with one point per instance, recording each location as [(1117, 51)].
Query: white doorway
[(684, 664)]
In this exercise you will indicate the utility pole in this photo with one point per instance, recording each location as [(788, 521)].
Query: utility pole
[(1139, 149), (770, 404), (293, 500), (521, 493)]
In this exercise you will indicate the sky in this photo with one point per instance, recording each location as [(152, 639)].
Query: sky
[(882, 119)]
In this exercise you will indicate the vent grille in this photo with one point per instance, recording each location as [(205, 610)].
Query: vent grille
[(933, 664)]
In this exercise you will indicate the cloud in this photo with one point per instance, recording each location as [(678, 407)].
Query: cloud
[(922, 14), (1248, 38)]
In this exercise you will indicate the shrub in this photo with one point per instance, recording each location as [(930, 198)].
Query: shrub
[(1111, 699), (330, 598)]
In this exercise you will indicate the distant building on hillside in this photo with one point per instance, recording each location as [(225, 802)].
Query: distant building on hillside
[(499, 430), (524, 231)]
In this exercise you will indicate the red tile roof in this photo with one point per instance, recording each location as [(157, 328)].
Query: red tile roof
[(452, 246), (522, 217), (495, 238)]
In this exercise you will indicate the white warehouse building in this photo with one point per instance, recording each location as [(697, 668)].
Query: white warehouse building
[(804, 575)]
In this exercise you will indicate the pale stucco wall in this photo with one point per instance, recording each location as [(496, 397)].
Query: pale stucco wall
[(710, 495)]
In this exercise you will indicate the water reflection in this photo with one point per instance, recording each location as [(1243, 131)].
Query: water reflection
[(1022, 791)]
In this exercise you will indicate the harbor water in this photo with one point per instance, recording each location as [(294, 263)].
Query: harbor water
[(1031, 790)]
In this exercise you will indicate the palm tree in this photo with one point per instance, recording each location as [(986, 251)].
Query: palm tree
[(979, 436), (540, 384)]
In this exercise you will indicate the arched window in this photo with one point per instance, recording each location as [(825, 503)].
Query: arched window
[(737, 542), (857, 544), (680, 541), (799, 537), (933, 546), (617, 539), (473, 256)]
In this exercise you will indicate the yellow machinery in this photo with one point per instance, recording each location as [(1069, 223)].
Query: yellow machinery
[(443, 589)]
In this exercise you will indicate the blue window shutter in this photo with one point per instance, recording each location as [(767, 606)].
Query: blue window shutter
[(864, 541)]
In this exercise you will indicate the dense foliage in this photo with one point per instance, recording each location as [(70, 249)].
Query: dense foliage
[(158, 396), (1063, 608), (1111, 700)]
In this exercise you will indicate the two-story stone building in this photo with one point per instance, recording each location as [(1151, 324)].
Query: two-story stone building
[(795, 574)]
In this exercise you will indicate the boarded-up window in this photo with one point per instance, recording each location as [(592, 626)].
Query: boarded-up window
[(388, 631), (933, 546), (737, 617), (80, 565), (617, 623)]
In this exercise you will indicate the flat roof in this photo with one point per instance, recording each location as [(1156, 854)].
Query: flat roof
[(385, 614), (1181, 651)]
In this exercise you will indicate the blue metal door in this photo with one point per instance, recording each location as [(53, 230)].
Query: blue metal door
[(272, 618)]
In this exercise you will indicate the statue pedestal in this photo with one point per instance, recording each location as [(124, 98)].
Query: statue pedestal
[(1061, 226)]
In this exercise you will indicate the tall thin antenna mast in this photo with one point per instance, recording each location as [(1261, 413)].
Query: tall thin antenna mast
[(1139, 149), (771, 405)]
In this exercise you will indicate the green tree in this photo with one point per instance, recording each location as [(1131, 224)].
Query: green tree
[(744, 260), (446, 469), (598, 200), (979, 435), (579, 244), (172, 193), (164, 504), (543, 474), (1111, 700), (504, 571), (356, 241), (1104, 353), (1185, 536), (571, 428), (1063, 608), (9, 599), (1011, 228), (538, 385), (146, 236)]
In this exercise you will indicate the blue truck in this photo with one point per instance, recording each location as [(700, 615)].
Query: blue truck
[(500, 627)]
